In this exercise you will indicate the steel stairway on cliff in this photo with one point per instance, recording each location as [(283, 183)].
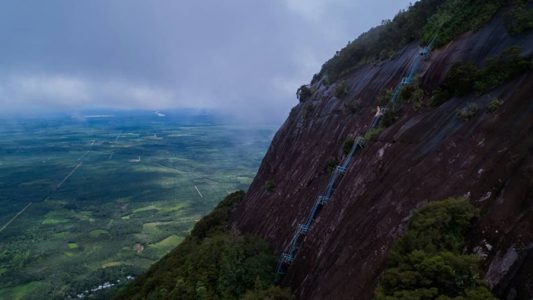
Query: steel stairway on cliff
[(288, 256)]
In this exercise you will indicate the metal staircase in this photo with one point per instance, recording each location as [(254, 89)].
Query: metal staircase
[(289, 255)]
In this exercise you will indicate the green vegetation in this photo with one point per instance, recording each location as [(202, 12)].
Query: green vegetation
[(162, 246), (271, 293), (439, 96), (465, 77), (501, 68), (341, 90), (460, 79), (347, 146), (519, 18), (303, 93), (270, 186), (381, 42), (19, 292), (150, 207), (53, 219), (384, 97), (428, 263), (423, 19), (494, 104), (113, 217), (353, 106), (456, 17), (331, 164), (373, 133), (468, 112), (390, 116), (98, 233), (211, 263), (72, 245), (307, 110), (411, 93)]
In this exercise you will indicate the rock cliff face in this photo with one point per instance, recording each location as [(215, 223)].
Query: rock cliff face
[(426, 155)]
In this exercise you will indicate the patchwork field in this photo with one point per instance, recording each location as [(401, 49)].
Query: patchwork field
[(94, 200)]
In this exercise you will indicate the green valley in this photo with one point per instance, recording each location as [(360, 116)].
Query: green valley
[(95, 201)]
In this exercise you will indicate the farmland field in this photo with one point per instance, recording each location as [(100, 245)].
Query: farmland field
[(96, 199)]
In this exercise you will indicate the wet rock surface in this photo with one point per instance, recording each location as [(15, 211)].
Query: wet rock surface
[(426, 155)]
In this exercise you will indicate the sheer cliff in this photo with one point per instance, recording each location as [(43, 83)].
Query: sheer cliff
[(429, 153)]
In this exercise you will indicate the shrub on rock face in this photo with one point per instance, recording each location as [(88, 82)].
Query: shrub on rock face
[(270, 186), (501, 68), (331, 164), (406, 92), (439, 96), (459, 82), (347, 146), (412, 94), (341, 90), (373, 133), (466, 113), (494, 104), (465, 77), (353, 106), (460, 79), (307, 110), (417, 99), (519, 18), (438, 226), (428, 263), (385, 97), (304, 93), (389, 117)]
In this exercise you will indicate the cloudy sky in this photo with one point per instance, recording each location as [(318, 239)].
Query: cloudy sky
[(245, 58)]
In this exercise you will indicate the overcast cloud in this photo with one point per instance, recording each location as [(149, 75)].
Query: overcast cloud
[(245, 58)]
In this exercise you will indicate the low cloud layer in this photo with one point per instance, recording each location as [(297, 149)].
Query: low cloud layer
[(242, 58), (73, 93)]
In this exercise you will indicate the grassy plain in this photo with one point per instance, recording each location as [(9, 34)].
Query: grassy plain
[(109, 196)]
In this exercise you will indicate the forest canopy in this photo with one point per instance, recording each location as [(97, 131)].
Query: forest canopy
[(211, 263), (422, 21)]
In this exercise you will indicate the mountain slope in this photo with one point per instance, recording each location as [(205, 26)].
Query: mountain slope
[(426, 155), (460, 130)]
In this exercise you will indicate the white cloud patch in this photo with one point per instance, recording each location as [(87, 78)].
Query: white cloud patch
[(68, 92), (314, 9), (61, 88)]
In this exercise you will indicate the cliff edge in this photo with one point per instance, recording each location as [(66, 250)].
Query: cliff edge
[(430, 152)]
